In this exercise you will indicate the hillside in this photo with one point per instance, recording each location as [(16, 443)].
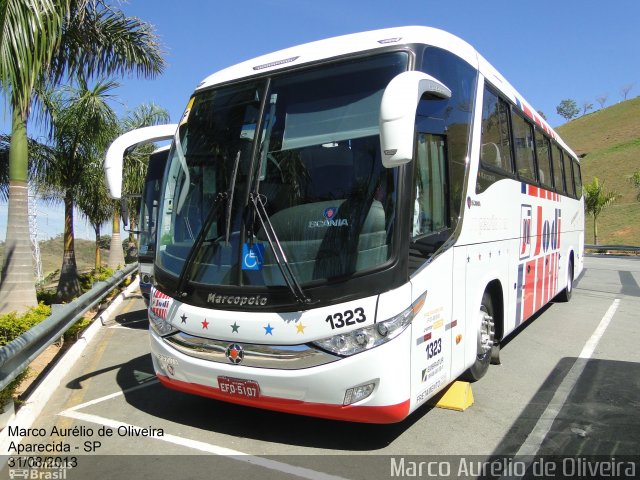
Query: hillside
[(51, 254), (609, 143)]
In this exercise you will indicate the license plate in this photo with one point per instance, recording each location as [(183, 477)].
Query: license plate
[(238, 387)]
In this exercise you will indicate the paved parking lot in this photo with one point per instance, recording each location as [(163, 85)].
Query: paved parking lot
[(569, 384)]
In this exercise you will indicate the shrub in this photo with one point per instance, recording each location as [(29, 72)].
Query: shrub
[(6, 394), (96, 275), (46, 296), (12, 325), (76, 328)]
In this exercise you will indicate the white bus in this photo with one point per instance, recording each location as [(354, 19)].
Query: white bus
[(348, 226)]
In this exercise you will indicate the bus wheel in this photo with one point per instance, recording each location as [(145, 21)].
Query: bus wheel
[(565, 295), (485, 340)]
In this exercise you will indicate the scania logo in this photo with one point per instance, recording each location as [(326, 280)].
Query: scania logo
[(234, 353), (239, 300)]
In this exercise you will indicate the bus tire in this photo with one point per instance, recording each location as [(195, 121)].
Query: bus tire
[(565, 295), (485, 339)]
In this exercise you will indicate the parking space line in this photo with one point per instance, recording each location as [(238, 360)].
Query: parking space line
[(206, 447), (542, 427), (95, 401)]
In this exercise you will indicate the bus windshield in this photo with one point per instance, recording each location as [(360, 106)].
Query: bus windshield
[(314, 165)]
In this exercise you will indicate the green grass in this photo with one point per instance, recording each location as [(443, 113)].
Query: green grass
[(51, 254), (609, 142)]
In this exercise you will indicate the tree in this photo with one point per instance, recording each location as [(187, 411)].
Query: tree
[(96, 205), (541, 113), (82, 125), (30, 32), (568, 109), (596, 200), (626, 89), (602, 99), (635, 180), (41, 42), (586, 106)]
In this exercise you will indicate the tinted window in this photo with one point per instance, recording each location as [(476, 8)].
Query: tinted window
[(495, 150), (558, 170), (523, 144), (544, 161), (568, 175), (451, 117), (577, 179)]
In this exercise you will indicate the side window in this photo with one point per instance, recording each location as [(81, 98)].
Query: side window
[(430, 185), (523, 143), (558, 170), (544, 160), (495, 150), (577, 178), (568, 174), (452, 117)]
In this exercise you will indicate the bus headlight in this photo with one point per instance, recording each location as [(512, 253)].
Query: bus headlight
[(357, 341), (160, 325)]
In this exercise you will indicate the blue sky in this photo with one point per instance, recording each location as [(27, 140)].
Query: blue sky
[(549, 50)]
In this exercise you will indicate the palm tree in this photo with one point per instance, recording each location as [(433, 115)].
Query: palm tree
[(82, 125), (95, 204), (41, 41), (134, 170), (30, 32), (596, 200)]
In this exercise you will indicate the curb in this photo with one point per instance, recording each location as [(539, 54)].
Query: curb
[(32, 408)]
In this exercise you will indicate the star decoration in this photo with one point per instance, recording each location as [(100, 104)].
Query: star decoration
[(235, 327), (300, 328), (268, 330), (205, 324), (183, 318)]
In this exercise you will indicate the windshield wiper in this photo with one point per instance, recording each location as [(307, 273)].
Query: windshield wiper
[(220, 199), (281, 259)]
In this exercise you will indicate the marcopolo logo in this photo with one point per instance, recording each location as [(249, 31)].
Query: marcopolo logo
[(239, 300), (330, 219)]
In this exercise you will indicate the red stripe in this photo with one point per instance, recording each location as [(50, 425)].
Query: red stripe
[(527, 112), (554, 275), (556, 260), (539, 283), (559, 232), (548, 275), (538, 233), (352, 413), (529, 285)]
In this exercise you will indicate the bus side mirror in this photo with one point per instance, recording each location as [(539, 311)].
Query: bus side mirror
[(115, 154), (398, 114)]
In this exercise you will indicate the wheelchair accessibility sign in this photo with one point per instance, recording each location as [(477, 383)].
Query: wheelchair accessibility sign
[(252, 256)]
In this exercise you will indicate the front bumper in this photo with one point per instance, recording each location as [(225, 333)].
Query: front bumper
[(317, 391)]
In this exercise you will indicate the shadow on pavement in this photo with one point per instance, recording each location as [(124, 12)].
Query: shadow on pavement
[(264, 425)]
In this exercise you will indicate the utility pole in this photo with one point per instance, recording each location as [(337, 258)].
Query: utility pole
[(33, 233)]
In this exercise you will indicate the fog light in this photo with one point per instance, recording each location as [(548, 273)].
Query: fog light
[(355, 394), (383, 330), (146, 278), (339, 341)]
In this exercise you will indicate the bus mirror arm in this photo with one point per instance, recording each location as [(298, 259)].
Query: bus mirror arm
[(124, 212), (115, 154), (398, 114)]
